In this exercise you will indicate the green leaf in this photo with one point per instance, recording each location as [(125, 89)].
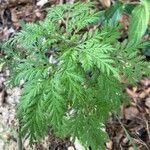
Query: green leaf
[(128, 8), (138, 22), (147, 52), (114, 12), (146, 2), (146, 48)]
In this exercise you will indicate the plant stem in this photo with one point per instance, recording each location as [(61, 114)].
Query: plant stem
[(20, 146)]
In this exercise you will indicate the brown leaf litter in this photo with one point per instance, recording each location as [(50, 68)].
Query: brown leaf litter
[(132, 128)]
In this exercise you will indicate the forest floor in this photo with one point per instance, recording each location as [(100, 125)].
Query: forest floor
[(128, 130)]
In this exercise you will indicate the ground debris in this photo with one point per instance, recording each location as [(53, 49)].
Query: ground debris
[(132, 128)]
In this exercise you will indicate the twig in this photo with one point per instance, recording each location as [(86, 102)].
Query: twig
[(134, 3), (148, 129), (141, 142), (127, 134)]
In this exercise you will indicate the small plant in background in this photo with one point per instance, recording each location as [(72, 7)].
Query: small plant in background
[(139, 18), (139, 13), (72, 75)]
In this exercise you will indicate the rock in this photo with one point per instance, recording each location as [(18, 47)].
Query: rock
[(131, 148), (70, 148), (41, 3)]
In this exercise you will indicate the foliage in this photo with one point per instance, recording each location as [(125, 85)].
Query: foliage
[(71, 73), (139, 17), (139, 21)]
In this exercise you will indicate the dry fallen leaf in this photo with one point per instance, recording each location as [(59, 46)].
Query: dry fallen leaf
[(130, 112), (142, 94), (109, 145), (14, 17), (39, 14), (147, 102), (15, 2), (132, 94), (106, 3), (7, 32), (145, 82)]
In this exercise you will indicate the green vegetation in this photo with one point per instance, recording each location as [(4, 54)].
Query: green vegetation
[(72, 73)]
